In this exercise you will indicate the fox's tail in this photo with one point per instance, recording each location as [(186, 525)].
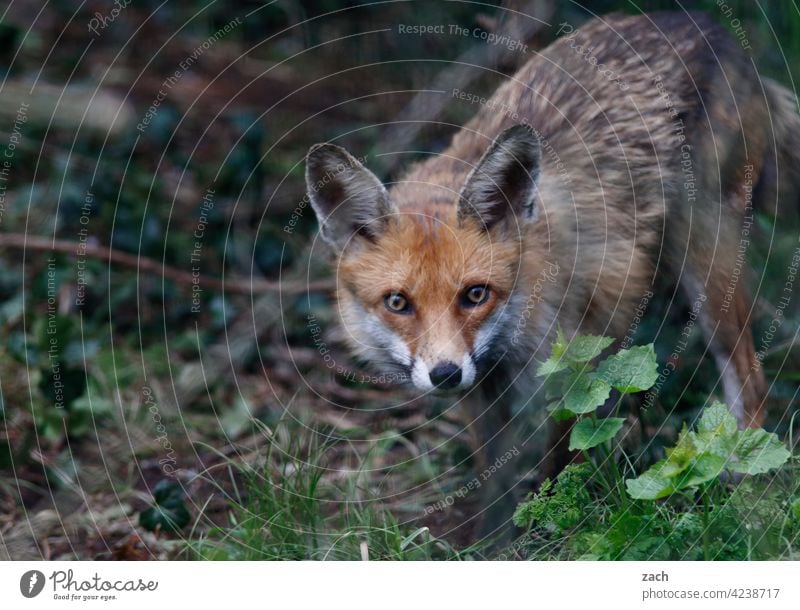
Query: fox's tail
[(778, 188)]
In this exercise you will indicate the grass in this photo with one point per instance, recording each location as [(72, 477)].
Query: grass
[(289, 510)]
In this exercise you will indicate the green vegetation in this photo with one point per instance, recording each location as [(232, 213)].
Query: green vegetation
[(289, 512), (720, 493), (688, 505)]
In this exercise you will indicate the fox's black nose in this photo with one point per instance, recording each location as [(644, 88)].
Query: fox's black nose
[(446, 376)]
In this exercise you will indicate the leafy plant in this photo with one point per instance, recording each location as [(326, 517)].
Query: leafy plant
[(699, 458), (684, 506), (577, 387), (580, 387)]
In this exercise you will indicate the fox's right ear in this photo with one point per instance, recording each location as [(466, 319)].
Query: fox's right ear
[(501, 189), (348, 199)]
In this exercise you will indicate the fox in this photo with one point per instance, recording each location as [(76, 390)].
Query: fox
[(629, 153)]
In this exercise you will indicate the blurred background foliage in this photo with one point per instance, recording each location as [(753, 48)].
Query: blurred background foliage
[(86, 463)]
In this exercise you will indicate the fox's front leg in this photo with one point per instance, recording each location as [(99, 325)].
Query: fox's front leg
[(496, 462)]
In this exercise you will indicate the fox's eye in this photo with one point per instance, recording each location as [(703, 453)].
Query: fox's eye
[(475, 295), (397, 303)]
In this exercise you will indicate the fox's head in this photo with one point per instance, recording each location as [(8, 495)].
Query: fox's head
[(426, 273)]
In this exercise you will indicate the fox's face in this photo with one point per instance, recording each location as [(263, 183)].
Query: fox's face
[(425, 287)]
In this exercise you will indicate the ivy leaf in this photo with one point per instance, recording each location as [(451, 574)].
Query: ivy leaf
[(630, 370), (583, 393), (588, 433), (650, 485), (758, 451), (168, 512)]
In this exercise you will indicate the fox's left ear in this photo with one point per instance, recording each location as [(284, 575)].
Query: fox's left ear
[(349, 200), (502, 187)]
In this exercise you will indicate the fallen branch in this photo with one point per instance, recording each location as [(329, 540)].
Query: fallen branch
[(149, 265)]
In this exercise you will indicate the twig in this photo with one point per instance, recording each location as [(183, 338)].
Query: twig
[(149, 265)]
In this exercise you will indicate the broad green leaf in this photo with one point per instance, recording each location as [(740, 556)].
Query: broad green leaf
[(587, 347), (662, 479), (580, 350), (717, 419), (680, 456), (583, 393), (558, 413), (717, 432), (588, 433), (650, 485), (758, 451), (702, 469), (553, 387), (552, 365), (630, 370)]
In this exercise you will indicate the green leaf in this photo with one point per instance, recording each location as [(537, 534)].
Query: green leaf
[(558, 506), (717, 432), (650, 485), (703, 469), (556, 362), (758, 451), (795, 508), (558, 413), (550, 366), (630, 370), (681, 455), (584, 348), (665, 477), (580, 350), (717, 419), (588, 433), (560, 344), (168, 512), (583, 393), (554, 387)]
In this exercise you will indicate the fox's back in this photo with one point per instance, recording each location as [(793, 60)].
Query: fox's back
[(615, 104), (630, 112)]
